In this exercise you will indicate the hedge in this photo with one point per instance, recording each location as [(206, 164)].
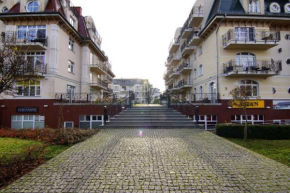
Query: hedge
[(254, 131)]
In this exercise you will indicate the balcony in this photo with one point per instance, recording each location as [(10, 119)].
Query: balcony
[(34, 70), (174, 73), (186, 50), (257, 39), (76, 97), (99, 84), (174, 45), (185, 31), (108, 91), (195, 16), (36, 42), (173, 59), (184, 68), (99, 67), (181, 86), (193, 39), (107, 79), (262, 68)]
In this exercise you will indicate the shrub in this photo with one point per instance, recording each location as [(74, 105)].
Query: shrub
[(15, 165), (254, 131), (49, 136)]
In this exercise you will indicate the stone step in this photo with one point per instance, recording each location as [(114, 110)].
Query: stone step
[(150, 119), (150, 116), (151, 127), (151, 123), (149, 113)]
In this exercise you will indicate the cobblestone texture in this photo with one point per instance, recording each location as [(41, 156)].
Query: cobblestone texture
[(163, 160)]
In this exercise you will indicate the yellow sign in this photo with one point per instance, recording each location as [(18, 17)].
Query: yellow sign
[(251, 104)]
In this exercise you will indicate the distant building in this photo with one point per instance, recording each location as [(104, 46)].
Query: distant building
[(140, 87)]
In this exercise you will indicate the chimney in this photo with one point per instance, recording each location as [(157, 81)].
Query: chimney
[(79, 10)]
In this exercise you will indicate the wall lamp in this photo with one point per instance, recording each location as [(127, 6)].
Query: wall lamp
[(45, 106), (230, 107), (268, 107), (3, 106)]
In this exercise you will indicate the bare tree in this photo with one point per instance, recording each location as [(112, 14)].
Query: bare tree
[(12, 64), (240, 98)]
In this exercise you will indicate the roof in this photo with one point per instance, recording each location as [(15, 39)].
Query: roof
[(51, 6), (15, 8), (82, 27), (280, 2), (226, 7)]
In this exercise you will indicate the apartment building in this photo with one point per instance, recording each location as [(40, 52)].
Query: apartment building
[(225, 44), (63, 49), (140, 87)]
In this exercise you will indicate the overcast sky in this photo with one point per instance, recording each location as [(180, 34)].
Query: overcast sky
[(136, 33)]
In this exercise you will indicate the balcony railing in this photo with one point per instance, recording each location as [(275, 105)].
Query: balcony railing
[(194, 98), (193, 39), (182, 84), (107, 78), (12, 37), (173, 57), (99, 83), (184, 66), (173, 46), (255, 67), (195, 16), (77, 97), (255, 37)]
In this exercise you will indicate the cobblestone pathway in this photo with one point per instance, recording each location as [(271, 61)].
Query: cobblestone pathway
[(179, 160)]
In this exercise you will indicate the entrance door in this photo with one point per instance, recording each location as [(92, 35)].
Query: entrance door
[(212, 88)]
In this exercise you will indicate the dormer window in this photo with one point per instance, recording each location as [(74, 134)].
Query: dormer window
[(33, 6), (72, 21), (287, 8), (5, 9), (254, 6)]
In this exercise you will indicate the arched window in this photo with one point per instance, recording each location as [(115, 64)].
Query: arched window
[(200, 92), (28, 88), (33, 6), (250, 87), (245, 59), (194, 73), (200, 70), (254, 6)]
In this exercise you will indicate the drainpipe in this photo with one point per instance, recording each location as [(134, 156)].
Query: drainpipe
[(217, 54)]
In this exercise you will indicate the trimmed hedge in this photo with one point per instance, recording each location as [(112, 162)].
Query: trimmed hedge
[(254, 131)]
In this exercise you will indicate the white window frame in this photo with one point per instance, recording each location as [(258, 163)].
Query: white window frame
[(251, 85), (194, 74), (194, 56), (241, 119), (31, 118), (22, 88), (91, 121), (200, 70), (71, 44), (245, 59), (31, 32), (70, 122), (254, 6), (72, 21), (200, 50), (71, 67), (33, 6)]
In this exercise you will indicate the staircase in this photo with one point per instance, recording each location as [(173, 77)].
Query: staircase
[(150, 117)]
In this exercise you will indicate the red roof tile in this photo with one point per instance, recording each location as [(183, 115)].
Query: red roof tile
[(15, 8)]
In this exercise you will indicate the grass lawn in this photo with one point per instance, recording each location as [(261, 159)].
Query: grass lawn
[(278, 150), (16, 146)]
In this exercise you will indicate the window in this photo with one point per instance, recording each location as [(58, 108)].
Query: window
[(35, 62), (27, 121), (200, 50), (200, 92), (250, 119), (254, 6), (245, 34), (32, 6), (200, 70), (31, 33), (28, 88), (194, 56), (5, 9), (72, 21), (245, 60), (70, 92), (251, 88), (71, 44), (90, 121), (70, 67), (91, 58), (68, 124), (194, 73)]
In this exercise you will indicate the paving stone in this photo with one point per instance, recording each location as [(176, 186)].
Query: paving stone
[(161, 160)]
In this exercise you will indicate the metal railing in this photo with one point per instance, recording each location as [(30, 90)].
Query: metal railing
[(13, 37), (184, 65), (175, 56), (182, 83), (193, 34), (255, 36), (77, 97), (196, 11), (173, 42), (33, 69), (252, 66), (100, 65)]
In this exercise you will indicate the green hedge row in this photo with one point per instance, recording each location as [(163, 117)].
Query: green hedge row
[(254, 131)]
